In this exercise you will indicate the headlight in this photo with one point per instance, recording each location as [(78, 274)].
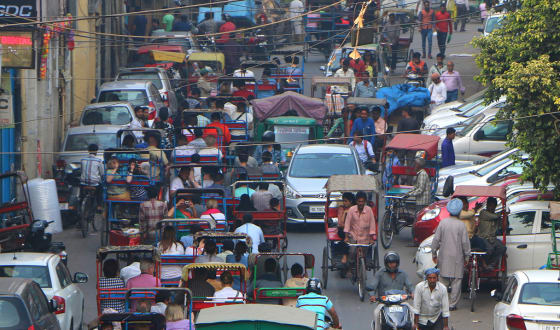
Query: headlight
[(291, 193), (431, 214), (426, 249)]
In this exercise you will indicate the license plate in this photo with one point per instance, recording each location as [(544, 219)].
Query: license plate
[(63, 206), (395, 309), (550, 327), (316, 209)]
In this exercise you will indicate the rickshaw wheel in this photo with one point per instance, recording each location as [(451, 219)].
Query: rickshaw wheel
[(285, 268), (362, 279), (104, 232), (325, 267), (376, 258), (386, 231)]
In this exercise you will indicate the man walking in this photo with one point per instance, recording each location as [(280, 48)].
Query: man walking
[(295, 11), (391, 34), (438, 91), (438, 67), (462, 11), (451, 240), (453, 83), (431, 304), (427, 18), (443, 27), (447, 151)]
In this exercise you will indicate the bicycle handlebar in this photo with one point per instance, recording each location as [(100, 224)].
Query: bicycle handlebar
[(395, 196)]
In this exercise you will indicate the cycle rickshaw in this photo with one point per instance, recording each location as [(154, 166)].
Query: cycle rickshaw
[(367, 256), (147, 297), (405, 148), (129, 321), (405, 19)]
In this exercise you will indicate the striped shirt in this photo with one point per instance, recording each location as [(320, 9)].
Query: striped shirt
[(112, 283), (92, 171), (318, 304)]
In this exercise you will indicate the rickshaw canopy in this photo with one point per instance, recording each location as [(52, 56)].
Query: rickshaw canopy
[(322, 81), (278, 105), (104, 251), (164, 56), (260, 316), (415, 142), (481, 191), (208, 57), (213, 266), (344, 183), (366, 101), (220, 234), (154, 321)]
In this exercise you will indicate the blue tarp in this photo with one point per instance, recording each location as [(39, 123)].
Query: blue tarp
[(403, 95), (245, 8), (216, 10)]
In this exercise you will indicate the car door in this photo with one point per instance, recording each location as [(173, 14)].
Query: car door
[(490, 138), (520, 239), (543, 245), (502, 308), (39, 309), (72, 295)]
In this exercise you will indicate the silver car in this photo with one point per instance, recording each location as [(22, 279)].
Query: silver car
[(309, 170), (107, 113)]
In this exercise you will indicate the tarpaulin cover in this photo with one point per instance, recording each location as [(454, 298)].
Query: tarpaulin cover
[(245, 8), (403, 95), (416, 142), (278, 105)]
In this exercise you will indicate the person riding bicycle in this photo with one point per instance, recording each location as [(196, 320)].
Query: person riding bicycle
[(313, 301), (388, 278), (92, 173), (360, 226)]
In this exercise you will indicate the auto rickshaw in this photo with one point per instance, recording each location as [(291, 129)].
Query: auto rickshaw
[(125, 255), (367, 256), (256, 316), (398, 160), (405, 19), (199, 60)]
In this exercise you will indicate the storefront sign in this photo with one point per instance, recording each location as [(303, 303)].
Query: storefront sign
[(18, 11), (6, 110), (17, 49)]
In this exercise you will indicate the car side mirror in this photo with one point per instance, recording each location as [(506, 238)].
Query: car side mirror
[(481, 30), (478, 135), (53, 305), (80, 277), (323, 68), (496, 294)]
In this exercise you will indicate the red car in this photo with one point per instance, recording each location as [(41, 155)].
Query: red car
[(428, 219)]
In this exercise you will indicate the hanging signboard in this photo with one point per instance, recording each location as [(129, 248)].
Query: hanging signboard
[(17, 49)]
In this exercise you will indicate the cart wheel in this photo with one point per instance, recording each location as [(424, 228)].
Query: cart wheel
[(104, 233), (325, 267), (472, 287), (376, 258), (285, 245), (386, 231), (285, 268), (85, 215), (362, 279)]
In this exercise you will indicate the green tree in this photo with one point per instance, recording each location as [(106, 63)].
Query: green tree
[(521, 61)]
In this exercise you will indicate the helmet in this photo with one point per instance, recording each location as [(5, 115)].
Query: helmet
[(313, 285), (268, 136), (391, 257)]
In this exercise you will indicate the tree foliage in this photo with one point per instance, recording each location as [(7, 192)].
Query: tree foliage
[(521, 61)]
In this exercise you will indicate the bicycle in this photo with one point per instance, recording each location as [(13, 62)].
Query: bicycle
[(88, 207), (395, 219), (359, 273), (474, 279)]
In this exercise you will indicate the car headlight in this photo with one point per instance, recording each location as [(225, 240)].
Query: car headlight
[(291, 193), (431, 214), (426, 249)]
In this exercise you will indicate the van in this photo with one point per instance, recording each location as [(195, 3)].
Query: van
[(159, 77)]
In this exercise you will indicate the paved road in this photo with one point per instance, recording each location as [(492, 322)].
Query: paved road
[(354, 314)]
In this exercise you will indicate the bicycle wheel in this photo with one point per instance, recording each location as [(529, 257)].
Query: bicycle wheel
[(362, 278), (386, 230), (325, 267), (104, 233), (85, 210), (472, 287), (375, 258)]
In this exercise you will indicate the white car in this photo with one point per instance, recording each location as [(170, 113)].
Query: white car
[(527, 241), (530, 301), (54, 279), (493, 22)]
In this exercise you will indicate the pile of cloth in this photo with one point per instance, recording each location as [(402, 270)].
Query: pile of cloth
[(402, 95)]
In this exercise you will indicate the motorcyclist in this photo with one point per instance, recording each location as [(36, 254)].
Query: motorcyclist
[(388, 278), (313, 301), (92, 171), (417, 66)]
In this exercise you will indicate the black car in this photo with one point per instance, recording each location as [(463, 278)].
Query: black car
[(23, 305)]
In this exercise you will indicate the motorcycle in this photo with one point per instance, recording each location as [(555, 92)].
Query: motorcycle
[(37, 240), (415, 79), (394, 314)]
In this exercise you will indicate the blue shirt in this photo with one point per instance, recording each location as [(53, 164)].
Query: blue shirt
[(364, 91), (363, 128), (315, 303), (447, 153)]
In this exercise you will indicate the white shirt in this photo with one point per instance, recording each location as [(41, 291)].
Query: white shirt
[(176, 184), (430, 304), (210, 151), (168, 272), (227, 292), (361, 150), (134, 124), (159, 308), (130, 271), (438, 93), (253, 231), (215, 218), (348, 74), (183, 151), (296, 8), (246, 74)]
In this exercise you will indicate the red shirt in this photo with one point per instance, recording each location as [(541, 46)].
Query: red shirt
[(222, 128), (226, 27), (245, 93), (359, 66), (443, 22)]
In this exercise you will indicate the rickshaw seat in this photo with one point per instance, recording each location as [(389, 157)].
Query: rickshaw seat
[(266, 87), (332, 234), (408, 170)]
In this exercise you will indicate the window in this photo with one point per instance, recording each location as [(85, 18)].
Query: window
[(492, 131), (107, 116), (546, 223), (63, 275), (322, 165), (14, 314), (513, 169), (510, 290), (521, 223), (39, 274), (154, 93), (135, 97), (540, 294), (151, 76), (78, 142), (40, 300)]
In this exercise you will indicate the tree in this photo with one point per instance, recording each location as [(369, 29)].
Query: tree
[(521, 61)]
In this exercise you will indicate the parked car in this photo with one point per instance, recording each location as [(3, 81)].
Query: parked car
[(493, 22), (136, 92), (160, 79), (107, 113), (449, 106), (24, 306), (176, 38), (308, 172), (54, 279), (527, 240), (530, 301)]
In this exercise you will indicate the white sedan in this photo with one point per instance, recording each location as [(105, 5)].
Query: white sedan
[(531, 301), (54, 279)]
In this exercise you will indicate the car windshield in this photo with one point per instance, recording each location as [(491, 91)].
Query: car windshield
[(291, 136), (468, 106), (540, 294), (492, 166), (112, 115), (79, 142), (14, 314), (39, 274), (322, 165), (474, 110), (136, 97), (151, 76), (493, 23), (470, 124)]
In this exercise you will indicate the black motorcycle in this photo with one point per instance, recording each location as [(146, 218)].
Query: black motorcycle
[(38, 240), (394, 314)]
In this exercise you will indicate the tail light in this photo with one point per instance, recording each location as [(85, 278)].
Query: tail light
[(515, 322), (32, 327), (61, 305), (60, 164), (152, 115)]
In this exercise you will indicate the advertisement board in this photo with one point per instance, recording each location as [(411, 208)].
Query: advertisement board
[(17, 49), (17, 11)]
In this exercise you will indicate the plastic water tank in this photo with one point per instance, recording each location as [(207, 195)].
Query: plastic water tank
[(44, 203)]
